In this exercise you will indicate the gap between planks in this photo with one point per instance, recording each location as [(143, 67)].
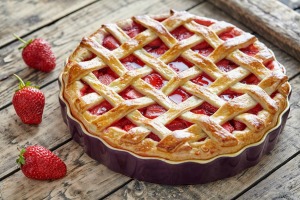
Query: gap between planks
[(116, 189), (5, 44), (266, 175)]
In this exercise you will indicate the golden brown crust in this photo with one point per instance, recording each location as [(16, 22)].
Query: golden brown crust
[(183, 144)]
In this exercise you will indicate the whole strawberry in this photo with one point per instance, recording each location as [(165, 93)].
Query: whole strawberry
[(37, 54), (39, 163), (29, 103)]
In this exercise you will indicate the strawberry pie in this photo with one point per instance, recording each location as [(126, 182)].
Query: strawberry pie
[(175, 87)]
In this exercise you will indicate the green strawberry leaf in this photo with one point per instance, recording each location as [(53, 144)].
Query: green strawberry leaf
[(21, 160), (27, 83)]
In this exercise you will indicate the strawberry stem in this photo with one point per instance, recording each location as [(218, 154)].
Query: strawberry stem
[(21, 84), (26, 84), (23, 41), (19, 38)]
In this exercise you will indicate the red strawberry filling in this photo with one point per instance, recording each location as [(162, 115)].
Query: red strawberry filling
[(179, 96), (239, 126), (205, 108), (204, 22), (153, 137), (256, 109), (101, 108), (180, 64), (124, 124), (203, 48), (251, 80), (178, 124), (274, 94), (226, 65), (270, 65), (86, 89), (130, 93), (232, 125), (105, 75), (203, 80), (155, 79), (110, 42), (181, 33), (90, 57), (134, 29), (160, 19), (228, 127), (229, 94), (156, 47), (131, 62), (202, 139), (154, 111), (229, 34), (251, 50)]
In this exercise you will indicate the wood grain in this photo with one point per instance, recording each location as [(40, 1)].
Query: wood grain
[(86, 179), (207, 9), (275, 22), (293, 4), (282, 184), (65, 35), (32, 15), (288, 144)]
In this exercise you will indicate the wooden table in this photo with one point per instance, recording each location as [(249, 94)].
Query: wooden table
[(63, 24)]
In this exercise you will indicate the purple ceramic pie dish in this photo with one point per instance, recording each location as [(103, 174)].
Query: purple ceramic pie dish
[(157, 170)]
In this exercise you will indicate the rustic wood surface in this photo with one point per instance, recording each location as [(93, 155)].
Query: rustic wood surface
[(270, 18), (272, 187), (32, 15), (293, 4), (88, 179)]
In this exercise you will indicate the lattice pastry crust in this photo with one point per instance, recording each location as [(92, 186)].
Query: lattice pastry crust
[(183, 144)]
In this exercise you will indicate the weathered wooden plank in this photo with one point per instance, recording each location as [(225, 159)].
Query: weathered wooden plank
[(282, 184), (288, 144), (293, 4), (277, 23), (86, 179), (209, 10), (65, 35), (32, 15)]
